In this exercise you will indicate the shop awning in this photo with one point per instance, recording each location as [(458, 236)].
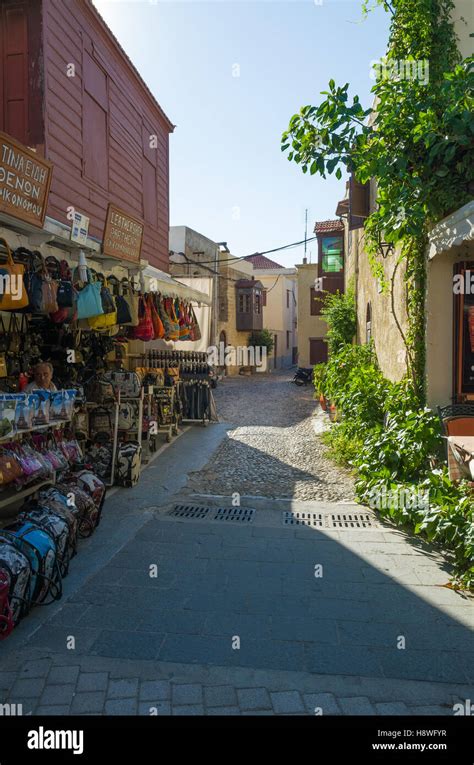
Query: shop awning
[(174, 288), (455, 231)]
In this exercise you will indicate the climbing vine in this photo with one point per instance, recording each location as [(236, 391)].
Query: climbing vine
[(415, 143)]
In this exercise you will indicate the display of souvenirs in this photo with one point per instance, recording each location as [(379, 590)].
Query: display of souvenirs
[(7, 416), (41, 403), (62, 405)]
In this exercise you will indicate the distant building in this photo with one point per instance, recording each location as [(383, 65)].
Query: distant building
[(313, 281), (279, 308), (236, 295)]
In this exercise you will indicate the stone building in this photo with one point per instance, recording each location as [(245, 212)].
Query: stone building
[(279, 308), (236, 294), (313, 280), (449, 300)]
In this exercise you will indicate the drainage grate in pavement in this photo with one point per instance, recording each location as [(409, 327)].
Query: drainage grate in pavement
[(213, 514), (234, 514), (329, 520), (316, 520), (351, 521), (190, 511)]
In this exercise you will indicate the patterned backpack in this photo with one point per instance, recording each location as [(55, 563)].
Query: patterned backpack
[(17, 567), (6, 616), (129, 458)]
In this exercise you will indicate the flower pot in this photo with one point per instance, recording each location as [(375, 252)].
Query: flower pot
[(322, 401), (332, 412)]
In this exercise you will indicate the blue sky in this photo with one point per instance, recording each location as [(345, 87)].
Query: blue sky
[(228, 177)]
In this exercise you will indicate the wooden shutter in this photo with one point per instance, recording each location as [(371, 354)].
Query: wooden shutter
[(359, 203)]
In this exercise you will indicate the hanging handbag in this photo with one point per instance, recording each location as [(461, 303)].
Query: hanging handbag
[(10, 468), (13, 294), (171, 325), (132, 300), (14, 345), (144, 330), (89, 302), (158, 327), (121, 306), (195, 332), (184, 333), (108, 317)]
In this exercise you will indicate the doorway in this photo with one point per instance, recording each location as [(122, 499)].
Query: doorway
[(318, 350), (275, 350)]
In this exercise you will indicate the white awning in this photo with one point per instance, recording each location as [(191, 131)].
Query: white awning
[(452, 232), (174, 288)]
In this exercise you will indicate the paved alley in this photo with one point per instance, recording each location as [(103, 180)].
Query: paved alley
[(172, 607)]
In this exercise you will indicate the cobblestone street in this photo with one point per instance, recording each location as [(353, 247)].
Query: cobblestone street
[(257, 617), (273, 451)]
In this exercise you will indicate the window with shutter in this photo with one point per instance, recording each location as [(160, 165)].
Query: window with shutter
[(95, 122)]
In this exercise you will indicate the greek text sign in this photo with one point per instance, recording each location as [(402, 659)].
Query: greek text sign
[(25, 179)]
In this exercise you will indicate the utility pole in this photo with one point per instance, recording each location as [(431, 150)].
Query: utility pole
[(305, 233)]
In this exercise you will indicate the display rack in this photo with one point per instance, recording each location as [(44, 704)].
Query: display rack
[(10, 495)]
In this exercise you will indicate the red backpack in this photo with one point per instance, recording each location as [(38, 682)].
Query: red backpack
[(6, 616)]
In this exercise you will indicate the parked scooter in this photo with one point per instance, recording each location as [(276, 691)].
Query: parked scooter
[(303, 376)]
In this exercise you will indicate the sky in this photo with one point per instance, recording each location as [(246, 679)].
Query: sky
[(230, 75)]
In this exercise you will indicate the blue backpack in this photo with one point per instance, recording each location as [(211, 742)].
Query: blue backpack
[(40, 549), (54, 525)]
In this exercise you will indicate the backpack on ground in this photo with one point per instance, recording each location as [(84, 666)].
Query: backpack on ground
[(6, 616), (40, 549), (58, 503), (56, 526), (17, 567), (92, 484), (128, 468), (88, 513)]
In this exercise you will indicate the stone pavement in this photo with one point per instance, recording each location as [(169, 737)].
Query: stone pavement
[(271, 451), (192, 615)]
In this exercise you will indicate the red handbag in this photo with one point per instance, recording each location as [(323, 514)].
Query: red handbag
[(158, 327), (144, 330)]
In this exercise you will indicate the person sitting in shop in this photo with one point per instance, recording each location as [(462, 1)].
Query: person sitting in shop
[(43, 378)]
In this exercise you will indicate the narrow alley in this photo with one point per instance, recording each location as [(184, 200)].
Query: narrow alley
[(185, 602)]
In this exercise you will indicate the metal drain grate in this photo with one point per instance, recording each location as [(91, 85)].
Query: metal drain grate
[(329, 520), (316, 520), (190, 511), (351, 521), (213, 514), (234, 514)]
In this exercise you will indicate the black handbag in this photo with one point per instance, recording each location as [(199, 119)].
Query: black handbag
[(66, 292), (32, 279), (121, 306)]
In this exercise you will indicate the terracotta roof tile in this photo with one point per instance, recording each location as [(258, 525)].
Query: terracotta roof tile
[(261, 261), (327, 226)]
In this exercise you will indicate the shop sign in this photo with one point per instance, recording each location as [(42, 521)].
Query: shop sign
[(80, 228), (25, 179), (123, 235)]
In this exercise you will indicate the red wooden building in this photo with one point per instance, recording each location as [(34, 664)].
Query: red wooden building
[(68, 90)]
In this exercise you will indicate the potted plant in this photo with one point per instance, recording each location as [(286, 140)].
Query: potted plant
[(319, 374)]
